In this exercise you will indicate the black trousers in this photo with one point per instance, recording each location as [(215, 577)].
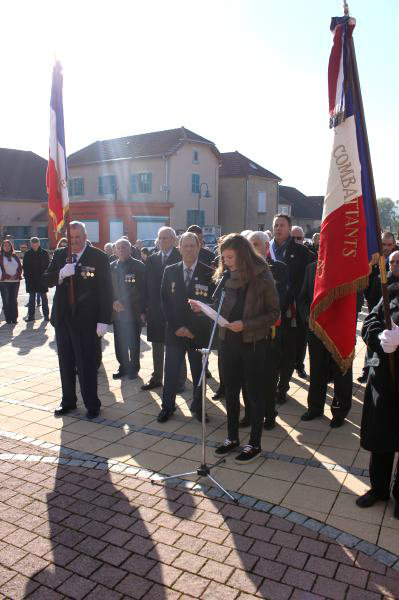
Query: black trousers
[(245, 363), (301, 342), (381, 465), (77, 351), (32, 304), (174, 357), (288, 337), (9, 295), (322, 367), (273, 357), (127, 345)]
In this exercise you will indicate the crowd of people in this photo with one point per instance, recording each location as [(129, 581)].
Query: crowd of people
[(269, 281)]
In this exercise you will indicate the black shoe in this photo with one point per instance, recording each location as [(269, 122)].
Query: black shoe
[(369, 499), (302, 373), (269, 424), (133, 375), (226, 447), (218, 394), (118, 375), (281, 398), (151, 385), (248, 454), (309, 415), (63, 410), (198, 416), (92, 414), (164, 415), (363, 378), (337, 422), (244, 422)]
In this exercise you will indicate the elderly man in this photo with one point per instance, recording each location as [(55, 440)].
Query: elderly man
[(109, 251), (128, 280), (298, 234), (154, 269), (185, 330), (35, 262), (261, 243), (78, 323), (296, 257), (205, 256)]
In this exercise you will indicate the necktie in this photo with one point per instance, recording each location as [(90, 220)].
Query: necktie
[(187, 278), (163, 258)]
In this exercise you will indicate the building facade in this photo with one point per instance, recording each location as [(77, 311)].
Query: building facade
[(305, 211), (134, 185), (248, 194), (23, 196)]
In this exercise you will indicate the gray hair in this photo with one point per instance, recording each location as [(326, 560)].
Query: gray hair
[(77, 225), (34, 240), (393, 254), (260, 235), (123, 240), (246, 233), (107, 246), (189, 234), (170, 230), (299, 229)]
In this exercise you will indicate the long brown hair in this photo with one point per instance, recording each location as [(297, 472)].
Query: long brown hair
[(11, 246), (247, 260)]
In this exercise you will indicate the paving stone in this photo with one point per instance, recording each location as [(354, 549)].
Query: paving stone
[(331, 588), (9, 555), (275, 591), (108, 575), (245, 582), (18, 587), (84, 565), (216, 591), (270, 569), (383, 585), (298, 578), (195, 584), (312, 547), (53, 577), (76, 587), (137, 564), (102, 593), (321, 566), (291, 557), (216, 571)]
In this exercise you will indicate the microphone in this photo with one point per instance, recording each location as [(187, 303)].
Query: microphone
[(220, 285)]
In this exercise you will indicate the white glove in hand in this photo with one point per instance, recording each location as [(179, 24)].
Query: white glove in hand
[(389, 339), (102, 329), (68, 270)]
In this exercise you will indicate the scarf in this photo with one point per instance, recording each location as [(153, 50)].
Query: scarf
[(278, 251)]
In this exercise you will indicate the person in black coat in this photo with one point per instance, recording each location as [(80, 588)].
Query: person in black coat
[(185, 330), (379, 433), (205, 256), (78, 325), (296, 257), (128, 285), (154, 269), (35, 262), (322, 366)]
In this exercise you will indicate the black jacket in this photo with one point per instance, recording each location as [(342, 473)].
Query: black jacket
[(306, 296), (92, 285), (206, 257), (297, 257), (153, 280), (35, 263), (279, 272), (380, 423), (177, 311), (128, 282)]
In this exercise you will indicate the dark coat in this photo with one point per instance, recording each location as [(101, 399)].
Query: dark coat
[(279, 272), (35, 264), (177, 311), (297, 257), (380, 422), (93, 289), (206, 257), (372, 293), (305, 298), (153, 280), (128, 282)]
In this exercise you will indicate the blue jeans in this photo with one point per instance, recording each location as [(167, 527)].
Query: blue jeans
[(9, 295), (32, 304)]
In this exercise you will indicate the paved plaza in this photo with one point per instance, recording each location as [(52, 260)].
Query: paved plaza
[(79, 517)]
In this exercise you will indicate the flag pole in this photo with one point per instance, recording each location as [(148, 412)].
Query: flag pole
[(384, 282)]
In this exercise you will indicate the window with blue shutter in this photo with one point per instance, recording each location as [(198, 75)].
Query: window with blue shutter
[(76, 186), (133, 184), (106, 185), (195, 183), (141, 183), (195, 217)]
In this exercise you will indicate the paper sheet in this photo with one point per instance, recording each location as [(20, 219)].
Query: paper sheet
[(212, 314)]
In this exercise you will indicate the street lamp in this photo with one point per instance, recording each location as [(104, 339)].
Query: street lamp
[(201, 195)]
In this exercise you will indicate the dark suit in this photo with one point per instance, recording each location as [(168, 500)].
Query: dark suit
[(322, 364), (75, 328), (206, 257), (128, 287), (35, 263), (174, 296), (293, 329), (155, 318)]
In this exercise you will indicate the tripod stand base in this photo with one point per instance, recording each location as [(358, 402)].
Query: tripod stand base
[(202, 471)]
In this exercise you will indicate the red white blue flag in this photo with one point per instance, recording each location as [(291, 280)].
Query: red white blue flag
[(56, 179), (348, 236)]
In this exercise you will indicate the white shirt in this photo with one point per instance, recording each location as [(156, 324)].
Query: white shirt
[(10, 267), (193, 267)]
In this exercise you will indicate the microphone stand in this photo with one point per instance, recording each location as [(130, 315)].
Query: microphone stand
[(204, 470)]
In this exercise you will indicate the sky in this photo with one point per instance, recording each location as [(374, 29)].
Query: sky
[(250, 75)]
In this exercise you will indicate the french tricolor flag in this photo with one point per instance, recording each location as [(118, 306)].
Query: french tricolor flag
[(56, 178), (348, 236)]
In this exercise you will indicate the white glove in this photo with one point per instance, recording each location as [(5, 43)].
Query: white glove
[(68, 270), (102, 329), (390, 339)]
